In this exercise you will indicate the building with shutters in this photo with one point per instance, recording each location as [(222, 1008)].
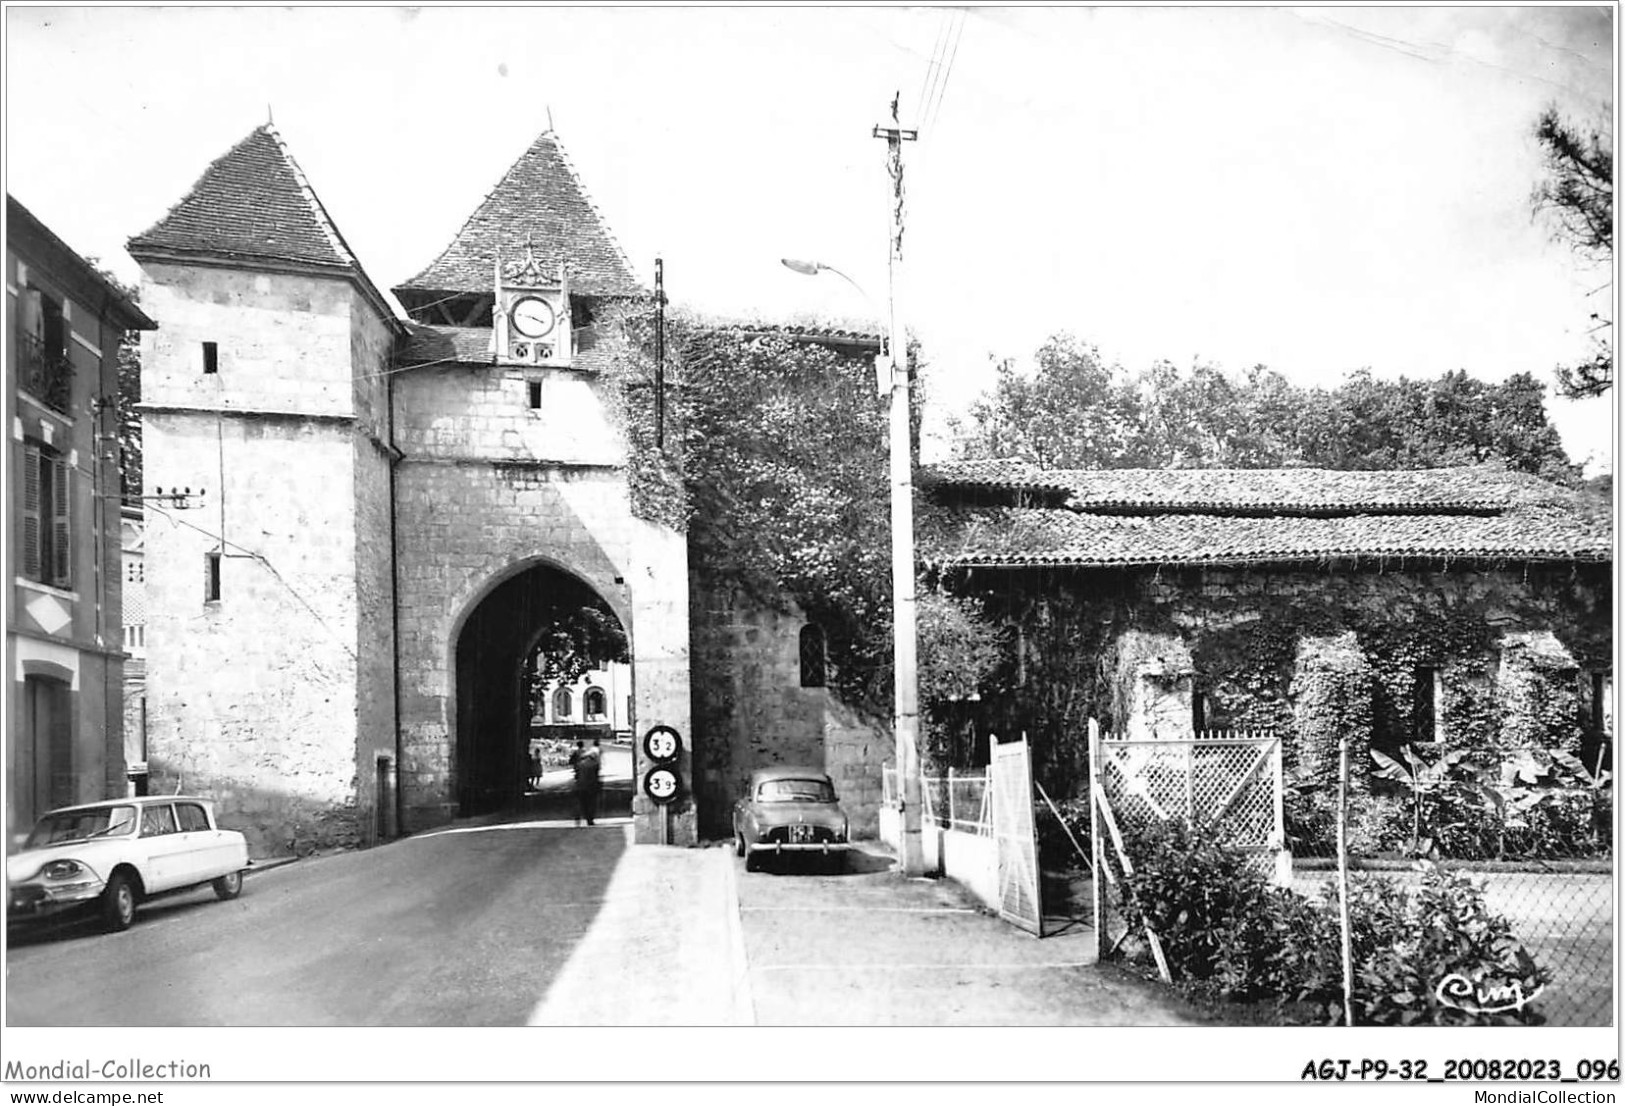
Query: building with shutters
[(64, 626)]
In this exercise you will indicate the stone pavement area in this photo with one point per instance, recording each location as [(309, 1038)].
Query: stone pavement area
[(871, 947), (687, 937)]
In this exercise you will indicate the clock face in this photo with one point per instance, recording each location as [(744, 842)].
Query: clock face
[(532, 317), (661, 785), (661, 743)]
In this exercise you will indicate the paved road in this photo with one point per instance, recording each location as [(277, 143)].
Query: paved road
[(470, 927), (516, 923), (870, 947)]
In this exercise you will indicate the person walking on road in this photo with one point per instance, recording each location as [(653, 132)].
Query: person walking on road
[(586, 763)]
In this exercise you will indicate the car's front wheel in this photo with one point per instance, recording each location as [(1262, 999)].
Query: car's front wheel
[(118, 902), (228, 886)]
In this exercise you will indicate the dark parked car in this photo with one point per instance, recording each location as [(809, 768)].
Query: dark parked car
[(790, 811)]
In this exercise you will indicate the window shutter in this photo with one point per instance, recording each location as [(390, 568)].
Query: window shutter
[(61, 502), (32, 569), (34, 314)]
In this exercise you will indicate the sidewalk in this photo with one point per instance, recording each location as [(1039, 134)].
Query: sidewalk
[(686, 938), (874, 948), (663, 950)]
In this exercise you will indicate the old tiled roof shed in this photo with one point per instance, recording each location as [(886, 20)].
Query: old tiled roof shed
[(1011, 514)]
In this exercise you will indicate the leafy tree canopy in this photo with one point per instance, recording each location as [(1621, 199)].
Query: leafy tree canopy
[(129, 393), (1576, 197), (1074, 410), (775, 461)]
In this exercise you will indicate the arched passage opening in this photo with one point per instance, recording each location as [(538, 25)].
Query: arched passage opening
[(533, 633)]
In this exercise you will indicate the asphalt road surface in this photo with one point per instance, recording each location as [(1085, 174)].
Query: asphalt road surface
[(468, 927)]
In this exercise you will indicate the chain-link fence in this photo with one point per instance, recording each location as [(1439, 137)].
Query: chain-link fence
[(1535, 838), (1513, 867)]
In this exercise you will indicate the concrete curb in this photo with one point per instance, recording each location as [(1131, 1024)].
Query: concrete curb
[(744, 1004)]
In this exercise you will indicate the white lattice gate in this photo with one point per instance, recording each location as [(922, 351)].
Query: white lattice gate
[(1228, 787), (1012, 774)]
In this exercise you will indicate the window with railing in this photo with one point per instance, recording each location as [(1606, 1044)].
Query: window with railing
[(43, 368), (44, 373)]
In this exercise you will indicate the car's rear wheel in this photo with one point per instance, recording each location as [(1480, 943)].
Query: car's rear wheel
[(118, 902), (228, 886)]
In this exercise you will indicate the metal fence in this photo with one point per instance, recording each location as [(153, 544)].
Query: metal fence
[(1535, 842), (958, 800), (1540, 851)]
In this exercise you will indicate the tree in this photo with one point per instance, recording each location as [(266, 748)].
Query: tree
[(129, 393), (1577, 197), (1076, 411)]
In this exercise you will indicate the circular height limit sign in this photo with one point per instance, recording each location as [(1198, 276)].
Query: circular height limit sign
[(660, 784), (662, 743)]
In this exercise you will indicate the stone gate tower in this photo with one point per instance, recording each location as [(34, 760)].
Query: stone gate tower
[(337, 636), (269, 627), (512, 490)]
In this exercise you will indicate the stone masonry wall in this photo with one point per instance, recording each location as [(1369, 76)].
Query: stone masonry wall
[(750, 711), (1244, 629), (251, 700), (490, 487), (254, 699), (374, 572)]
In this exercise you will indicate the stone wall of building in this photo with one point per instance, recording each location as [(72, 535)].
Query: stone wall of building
[(488, 488), (372, 464), (256, 698), (1244, 630), (751, 711), (251, 698)]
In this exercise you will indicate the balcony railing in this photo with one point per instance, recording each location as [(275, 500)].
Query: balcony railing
[(44, 373)]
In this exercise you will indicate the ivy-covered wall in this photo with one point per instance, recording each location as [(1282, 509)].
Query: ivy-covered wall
[(1308, 652)]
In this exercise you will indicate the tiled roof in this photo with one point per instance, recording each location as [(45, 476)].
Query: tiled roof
[(464, 345), (539, 206), (251, 203), (1228, 517), (1474, 488)]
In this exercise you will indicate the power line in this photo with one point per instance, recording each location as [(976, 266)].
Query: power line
[(942, 86), (932, 67), (265, 563)]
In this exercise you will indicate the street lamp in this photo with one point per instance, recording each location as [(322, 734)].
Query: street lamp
[(905, 641)]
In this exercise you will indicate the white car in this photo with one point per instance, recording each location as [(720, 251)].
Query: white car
[(112, 855)]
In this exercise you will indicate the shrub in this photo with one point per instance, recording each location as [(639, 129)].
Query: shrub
[(1445, 930), (1053, 844), (1226, 933)]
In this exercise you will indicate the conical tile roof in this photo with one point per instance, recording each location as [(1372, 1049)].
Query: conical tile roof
[(540, 208), (252, 203)]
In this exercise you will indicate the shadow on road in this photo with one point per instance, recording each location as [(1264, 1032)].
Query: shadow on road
[(857, 863)]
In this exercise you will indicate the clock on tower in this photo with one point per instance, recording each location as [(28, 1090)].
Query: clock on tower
[(532, 314)]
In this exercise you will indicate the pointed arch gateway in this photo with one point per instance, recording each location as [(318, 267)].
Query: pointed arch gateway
[(540, 625)]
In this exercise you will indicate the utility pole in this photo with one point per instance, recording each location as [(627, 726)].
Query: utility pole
[(905, 637)]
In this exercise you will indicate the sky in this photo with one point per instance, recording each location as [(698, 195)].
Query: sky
[(1314, 189)]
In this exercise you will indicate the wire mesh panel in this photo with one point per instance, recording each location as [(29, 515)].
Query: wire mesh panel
[(1012, 781), (1229, 787)]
